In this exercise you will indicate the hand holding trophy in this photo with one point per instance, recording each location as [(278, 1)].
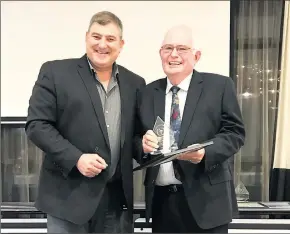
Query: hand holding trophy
[(158, 129), (154, 140), (162, 141), (161, 130)]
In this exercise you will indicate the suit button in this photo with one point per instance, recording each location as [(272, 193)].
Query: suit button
[(153, 181)]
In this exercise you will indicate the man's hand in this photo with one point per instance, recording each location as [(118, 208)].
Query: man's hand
[(149, 142), (91, 165), (193, 157)]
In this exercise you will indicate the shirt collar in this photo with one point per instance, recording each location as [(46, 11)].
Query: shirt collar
[(184, 85), (115, 72)]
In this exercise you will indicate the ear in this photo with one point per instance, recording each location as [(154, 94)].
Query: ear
[(197, 56), (87, 35), (122, 43)]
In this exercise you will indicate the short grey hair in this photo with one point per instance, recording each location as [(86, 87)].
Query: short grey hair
[(106, 17)]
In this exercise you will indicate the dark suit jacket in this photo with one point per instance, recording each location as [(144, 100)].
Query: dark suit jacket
[(65, 120), (211, 113)]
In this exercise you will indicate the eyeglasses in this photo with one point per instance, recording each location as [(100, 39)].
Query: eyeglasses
[(181, 49)]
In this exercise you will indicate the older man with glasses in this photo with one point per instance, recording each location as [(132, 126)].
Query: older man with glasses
[(194, 193)]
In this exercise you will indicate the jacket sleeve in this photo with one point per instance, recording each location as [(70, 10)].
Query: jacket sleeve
[(139, 132), (231, 135), (42, 121)]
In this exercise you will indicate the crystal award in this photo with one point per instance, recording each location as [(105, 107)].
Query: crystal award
[(242, 192), (159, 129)]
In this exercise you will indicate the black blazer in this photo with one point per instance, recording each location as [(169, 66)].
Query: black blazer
[(211, 113), (65, 119)]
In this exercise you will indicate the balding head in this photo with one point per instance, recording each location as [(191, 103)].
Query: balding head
[(177, 53), (180, 35)]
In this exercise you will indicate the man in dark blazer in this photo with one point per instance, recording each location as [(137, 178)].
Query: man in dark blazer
[(82, 115), (194, 193)]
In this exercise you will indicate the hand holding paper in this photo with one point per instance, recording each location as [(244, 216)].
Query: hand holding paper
[(192, 156), (167, 157)]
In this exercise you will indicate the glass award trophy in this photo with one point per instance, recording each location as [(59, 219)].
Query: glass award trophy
[(159, 129), (242, 192)]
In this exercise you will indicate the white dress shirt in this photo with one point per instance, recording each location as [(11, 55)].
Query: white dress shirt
[(166, 173)]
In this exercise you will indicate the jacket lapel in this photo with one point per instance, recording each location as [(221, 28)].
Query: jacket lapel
[(90, 84), (159, 99), (159, 110), (125, 99), (193, 95)]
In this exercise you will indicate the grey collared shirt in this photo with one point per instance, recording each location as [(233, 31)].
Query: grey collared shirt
[(111, 103)]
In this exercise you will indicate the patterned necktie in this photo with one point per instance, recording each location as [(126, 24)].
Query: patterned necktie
[(175, 122)]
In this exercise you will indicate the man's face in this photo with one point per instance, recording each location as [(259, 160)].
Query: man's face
[(177, 55), (103, 44)]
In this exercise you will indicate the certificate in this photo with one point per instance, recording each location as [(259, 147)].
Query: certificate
[(167, 157)]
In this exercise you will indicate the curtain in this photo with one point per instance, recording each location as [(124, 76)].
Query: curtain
[(280, 181), (257, 45)]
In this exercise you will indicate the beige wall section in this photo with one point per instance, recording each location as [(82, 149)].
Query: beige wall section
[(34, 32), (282, 147)]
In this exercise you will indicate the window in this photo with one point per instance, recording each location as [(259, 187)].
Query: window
[(20, 166)]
